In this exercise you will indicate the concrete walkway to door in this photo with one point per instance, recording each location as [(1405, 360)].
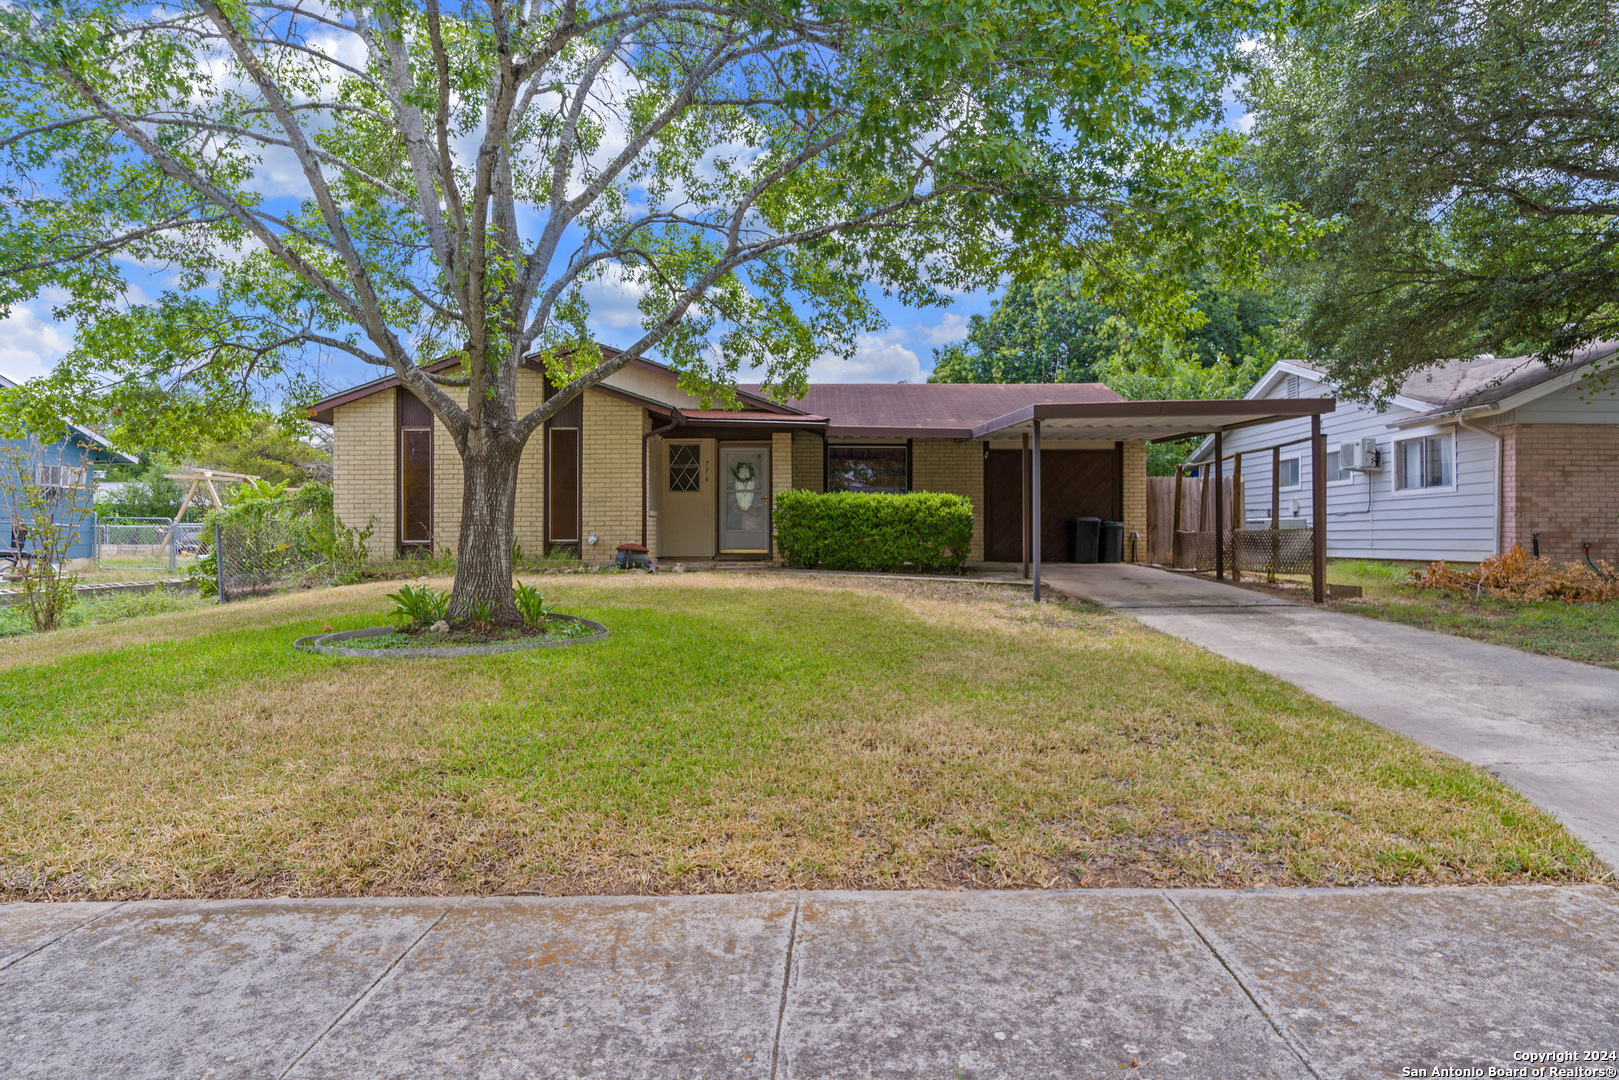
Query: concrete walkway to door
[(1548, 727)]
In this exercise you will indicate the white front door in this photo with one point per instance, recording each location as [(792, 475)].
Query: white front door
[(745, 500)]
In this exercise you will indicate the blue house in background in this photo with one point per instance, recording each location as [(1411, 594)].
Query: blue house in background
[(80, 452)]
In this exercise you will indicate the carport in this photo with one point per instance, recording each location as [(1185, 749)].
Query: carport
[(1160, 421)]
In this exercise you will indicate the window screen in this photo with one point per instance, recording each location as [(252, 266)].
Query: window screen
[(1289, 475), (866, 468), (685, 467), (1425, 463)]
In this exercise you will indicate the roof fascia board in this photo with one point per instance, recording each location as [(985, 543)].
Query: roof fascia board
[(869, 432), (1240, 410)]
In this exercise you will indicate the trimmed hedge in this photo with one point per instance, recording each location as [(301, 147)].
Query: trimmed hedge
[(923, 531)]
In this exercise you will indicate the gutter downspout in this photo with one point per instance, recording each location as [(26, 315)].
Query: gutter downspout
[(675, 420), (1500, 453)]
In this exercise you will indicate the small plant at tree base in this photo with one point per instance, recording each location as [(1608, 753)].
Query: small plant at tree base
[(481, 617), (531, 604), (418, 607)]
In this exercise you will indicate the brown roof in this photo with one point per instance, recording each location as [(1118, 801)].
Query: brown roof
[(1485, 380), (1450, 385), (748, 416), (932, 410)]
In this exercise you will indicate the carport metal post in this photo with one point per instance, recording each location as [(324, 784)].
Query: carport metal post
[(1318, 509), (1219, 508), (1034, 507), (1024, 522)]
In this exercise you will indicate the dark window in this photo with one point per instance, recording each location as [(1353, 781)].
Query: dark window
[(562, 464), (416, 485), (415, 422), (866, 468), (685, 467)]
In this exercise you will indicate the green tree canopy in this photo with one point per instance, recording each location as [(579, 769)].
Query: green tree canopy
[(1469, 155), (1049, 329), (464, 174)]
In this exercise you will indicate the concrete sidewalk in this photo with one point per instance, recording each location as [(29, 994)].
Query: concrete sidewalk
[(1119, 983), (1548, 727)]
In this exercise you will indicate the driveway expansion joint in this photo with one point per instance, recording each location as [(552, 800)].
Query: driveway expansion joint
[(75, 928), (786, 985), (1236, 977), (376, 983)]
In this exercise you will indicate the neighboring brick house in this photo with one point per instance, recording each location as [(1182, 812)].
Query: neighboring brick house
[(1473, 456), (636, 459)]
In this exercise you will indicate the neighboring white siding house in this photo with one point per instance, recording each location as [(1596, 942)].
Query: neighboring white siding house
[(1449, 484)]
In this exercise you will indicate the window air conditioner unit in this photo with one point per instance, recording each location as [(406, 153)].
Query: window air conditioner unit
[(1361, 455)]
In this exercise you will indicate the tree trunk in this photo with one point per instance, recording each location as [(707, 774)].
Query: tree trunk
[(483, 566)]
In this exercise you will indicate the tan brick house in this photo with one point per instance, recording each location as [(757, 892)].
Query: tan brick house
[(638, 460), (1469, 458)]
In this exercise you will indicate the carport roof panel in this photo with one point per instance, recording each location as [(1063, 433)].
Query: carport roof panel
[(1147, 421)]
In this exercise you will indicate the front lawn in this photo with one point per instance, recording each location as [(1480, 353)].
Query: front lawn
[(734, 732), (1585, 632)]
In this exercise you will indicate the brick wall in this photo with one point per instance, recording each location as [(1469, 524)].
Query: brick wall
[(447, 481), (610, 484), (1135, 497), (956, 468), (1562, 481), (529, 518), (782, 470), (363, 469), (809, 461)]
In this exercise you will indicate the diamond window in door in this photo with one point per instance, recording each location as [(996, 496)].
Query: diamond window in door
[(685, 467)]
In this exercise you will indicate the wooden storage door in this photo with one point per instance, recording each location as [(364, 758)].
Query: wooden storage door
[(1073, 483)]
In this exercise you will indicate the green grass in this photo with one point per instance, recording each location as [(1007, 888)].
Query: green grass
[(1588, 633), (94, 611), (734, 732)]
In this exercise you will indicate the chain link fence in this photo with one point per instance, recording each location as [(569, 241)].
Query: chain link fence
[(138, 544), (256, 558)]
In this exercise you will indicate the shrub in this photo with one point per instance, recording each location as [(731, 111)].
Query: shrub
[(923, 531)]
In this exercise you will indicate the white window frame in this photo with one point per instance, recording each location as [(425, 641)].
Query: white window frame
[(1348, 476), (64, 476), (1413, 436), (1297, 485)]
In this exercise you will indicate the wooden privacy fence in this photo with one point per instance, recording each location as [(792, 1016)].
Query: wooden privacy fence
[(1266, 551), (1197, 512)]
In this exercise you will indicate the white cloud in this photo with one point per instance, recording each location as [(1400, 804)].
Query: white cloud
[(31, 345), (1245, 122), (946, 331), (877, 358), (613, 299)]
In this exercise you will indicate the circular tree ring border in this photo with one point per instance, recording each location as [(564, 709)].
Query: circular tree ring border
[(327, 644)]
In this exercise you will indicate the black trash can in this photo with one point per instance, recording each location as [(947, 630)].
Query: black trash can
[(1084, 533), (1111, 548)]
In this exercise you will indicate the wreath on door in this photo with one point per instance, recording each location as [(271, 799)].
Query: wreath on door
[(743, 473)]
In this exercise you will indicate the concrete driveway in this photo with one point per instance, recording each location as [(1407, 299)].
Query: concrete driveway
[(1548, 727), (1193, 984)]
